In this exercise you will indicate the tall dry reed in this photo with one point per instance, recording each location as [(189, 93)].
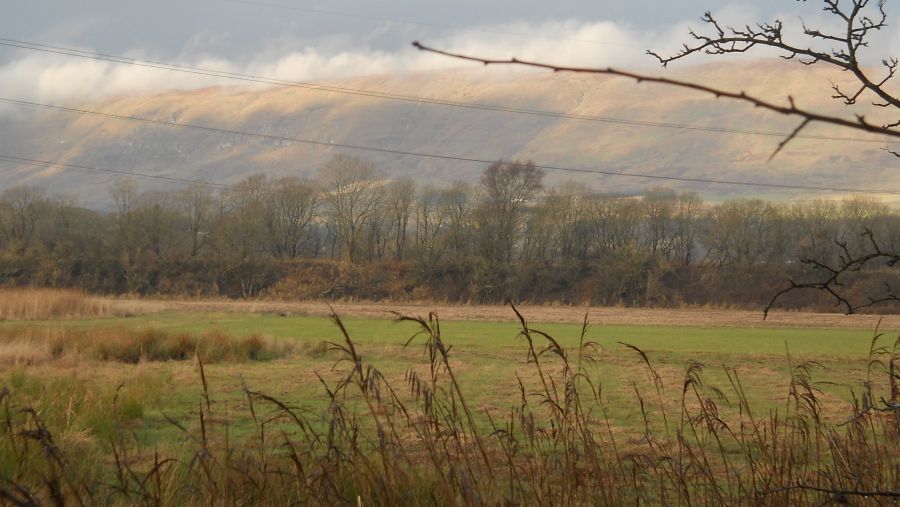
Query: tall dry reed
[(48, 304), (374, 443)]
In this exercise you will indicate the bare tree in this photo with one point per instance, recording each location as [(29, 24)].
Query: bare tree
[(400, 195), (196, 203), (247, 233), (19, 213), (125, 195), (352, 198), (431, 223), (815, 224), (557, 227), (688, 217), (746, 232), (155, 217), (292, 206), (508, 189), (613, 224), (458, 204), (659, 216)]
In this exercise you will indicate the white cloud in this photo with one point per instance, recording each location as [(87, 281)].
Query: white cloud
[(55, 78)]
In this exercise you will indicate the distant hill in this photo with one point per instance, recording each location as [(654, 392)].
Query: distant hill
[(333, 117)]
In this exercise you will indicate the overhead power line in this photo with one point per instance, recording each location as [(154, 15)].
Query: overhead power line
[(405, 98), (434, 156), (444, 26), (78, 167)]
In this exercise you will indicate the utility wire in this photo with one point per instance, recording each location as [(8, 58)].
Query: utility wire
[(171, 179), (405, 98), (454, 28), (433, 156)]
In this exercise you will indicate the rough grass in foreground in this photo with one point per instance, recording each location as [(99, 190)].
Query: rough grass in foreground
[(420, 442)]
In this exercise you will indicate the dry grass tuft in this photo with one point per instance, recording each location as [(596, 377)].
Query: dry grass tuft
[(47, 304), (31, 346), (53, 304), (19, 353)]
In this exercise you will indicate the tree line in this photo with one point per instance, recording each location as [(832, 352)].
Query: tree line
[(352, 233)]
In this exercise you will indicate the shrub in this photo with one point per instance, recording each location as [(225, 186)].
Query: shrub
[(32, 346), (47, 304)]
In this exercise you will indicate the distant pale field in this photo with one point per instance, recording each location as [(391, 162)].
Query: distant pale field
[(697, 317), (487, 354)]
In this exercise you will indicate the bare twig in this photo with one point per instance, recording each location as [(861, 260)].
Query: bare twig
[(791, 109), (839, 48), (848, 263)]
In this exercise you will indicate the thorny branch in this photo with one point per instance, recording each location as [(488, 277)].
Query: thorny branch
[(843, 53), (835, 275), (791, 109), (839, 48)]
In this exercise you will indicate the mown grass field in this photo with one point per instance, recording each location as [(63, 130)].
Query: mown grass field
[(488, 357)]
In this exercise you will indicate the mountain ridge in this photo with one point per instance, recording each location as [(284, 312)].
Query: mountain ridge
[(454, 131)]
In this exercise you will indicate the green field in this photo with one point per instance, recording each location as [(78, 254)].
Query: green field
[(122, 409), (486, 356)]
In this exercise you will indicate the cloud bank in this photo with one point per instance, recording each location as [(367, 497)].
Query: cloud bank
[(59, 79), (48, 77)]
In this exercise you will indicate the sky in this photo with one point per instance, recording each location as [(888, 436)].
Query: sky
[(308, 40), (243, 28)]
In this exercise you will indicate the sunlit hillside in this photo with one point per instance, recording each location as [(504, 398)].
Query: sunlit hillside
[(408, 126)]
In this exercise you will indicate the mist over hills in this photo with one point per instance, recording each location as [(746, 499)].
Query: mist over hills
[(366, 121)]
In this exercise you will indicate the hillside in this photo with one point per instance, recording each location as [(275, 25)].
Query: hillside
[(332, 117)]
